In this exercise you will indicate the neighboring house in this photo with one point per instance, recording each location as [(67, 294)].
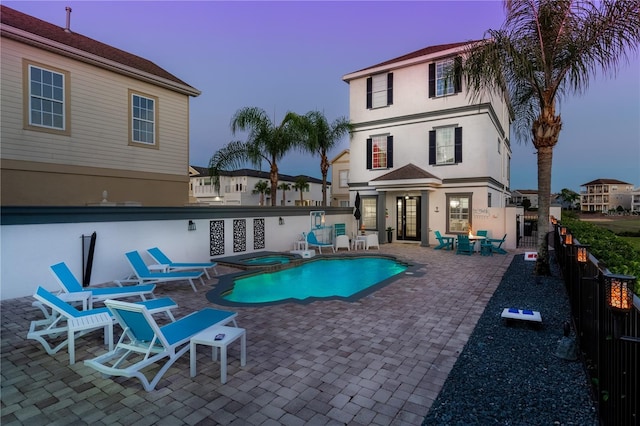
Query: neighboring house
[(635, 201), (236, 188), (423, 156), (340, 174), (80, 117), (519, 195), (603, 195)]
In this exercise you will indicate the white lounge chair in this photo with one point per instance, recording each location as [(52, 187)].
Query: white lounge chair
[(142, 274), (372, 241), (70, 284), (144, 343), (159, 256), (66, 319), (342, 241)]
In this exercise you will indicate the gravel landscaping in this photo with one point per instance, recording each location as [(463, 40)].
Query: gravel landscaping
[(508, 373)]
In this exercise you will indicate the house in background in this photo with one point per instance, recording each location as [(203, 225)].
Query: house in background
[(236, 188), (423, 156), (635, 201), (80, 117), (340, 174), (603, 195), (519, 195)]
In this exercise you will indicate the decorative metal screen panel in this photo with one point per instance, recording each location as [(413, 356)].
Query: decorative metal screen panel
[(216, 237), (258, 234), (239, 235)]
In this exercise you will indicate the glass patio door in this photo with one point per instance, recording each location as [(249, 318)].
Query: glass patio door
[(408, 222)]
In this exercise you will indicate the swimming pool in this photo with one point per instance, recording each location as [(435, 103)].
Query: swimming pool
[(268, 260), (348, 278)]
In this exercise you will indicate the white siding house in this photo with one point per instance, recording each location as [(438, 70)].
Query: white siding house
[(80, 117), (423, 156), (236, 189)]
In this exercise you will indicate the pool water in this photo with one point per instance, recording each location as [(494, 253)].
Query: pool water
[(267, 260), (322, 278)]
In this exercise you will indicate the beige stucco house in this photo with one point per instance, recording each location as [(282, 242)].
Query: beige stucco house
[(603, 195), (340, 178), (80, 117)]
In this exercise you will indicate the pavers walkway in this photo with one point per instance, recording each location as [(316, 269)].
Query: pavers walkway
[(379, 361)]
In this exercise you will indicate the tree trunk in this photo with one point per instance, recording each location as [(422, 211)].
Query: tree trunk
[(546, 130), (324, 168), (274, 182)]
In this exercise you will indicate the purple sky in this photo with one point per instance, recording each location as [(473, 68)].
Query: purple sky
[(291, 56)]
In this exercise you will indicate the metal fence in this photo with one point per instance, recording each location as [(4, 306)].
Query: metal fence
[(607, 326), (527, 230)]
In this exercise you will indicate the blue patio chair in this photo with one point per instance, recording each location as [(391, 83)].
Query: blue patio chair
[(496, 245), (143, 275), (70, 284), (444, 242), (67, 319), (313, 242), (465, 246), (144, 342), (159, 256)]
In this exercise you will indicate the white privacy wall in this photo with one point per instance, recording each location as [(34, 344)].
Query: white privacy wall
[(27, 251)]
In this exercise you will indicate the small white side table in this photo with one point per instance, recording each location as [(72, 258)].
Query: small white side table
[(300, 245), (206, 337)]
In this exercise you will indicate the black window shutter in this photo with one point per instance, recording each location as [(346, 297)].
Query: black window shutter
[(432, 80), (369, 152), (369, 92), (390, 88), (432, 147), (457, 74), (458, 145), (389, 152)]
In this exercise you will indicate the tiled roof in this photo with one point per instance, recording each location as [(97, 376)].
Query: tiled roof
[(410, 171), (40, 28), (605, 182), (418, 53)]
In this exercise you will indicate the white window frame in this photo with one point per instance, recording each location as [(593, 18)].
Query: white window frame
[(380, 158), (143, 120), (344, 178), (445, 78), (369, 212), (46, 98), (445, 145), (379, 83), (458, 213)]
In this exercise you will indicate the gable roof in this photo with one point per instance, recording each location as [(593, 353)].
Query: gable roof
[(605, 182), (44, 35), (410, 171), (427, 53)]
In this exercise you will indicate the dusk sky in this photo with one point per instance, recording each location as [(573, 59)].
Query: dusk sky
[(291, 56)]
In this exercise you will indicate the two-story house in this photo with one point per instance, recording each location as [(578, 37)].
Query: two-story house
[(423, 155), (603, 195), (237, 188), (80, 117)]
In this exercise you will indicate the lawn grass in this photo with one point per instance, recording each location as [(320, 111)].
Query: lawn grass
[(618, 225)]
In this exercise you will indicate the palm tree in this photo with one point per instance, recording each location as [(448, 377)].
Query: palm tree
[(266, 142), (569, 197), (301, 185), (545, 51), (284, 187), (322, 137), (261, 187)]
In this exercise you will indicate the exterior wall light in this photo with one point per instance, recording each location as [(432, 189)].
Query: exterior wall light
[(192, 226), (280, 220)]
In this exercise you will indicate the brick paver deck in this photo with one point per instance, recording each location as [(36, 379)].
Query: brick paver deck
[(379, 361)]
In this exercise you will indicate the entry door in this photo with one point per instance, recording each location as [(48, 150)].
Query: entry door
[(408, 214)]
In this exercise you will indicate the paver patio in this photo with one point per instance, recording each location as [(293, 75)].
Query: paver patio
[(381, 360)]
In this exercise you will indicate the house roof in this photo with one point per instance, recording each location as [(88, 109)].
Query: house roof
[(36, 32), (410, 171), (425, 52), (340, 155), (605, 182), (204, 171)]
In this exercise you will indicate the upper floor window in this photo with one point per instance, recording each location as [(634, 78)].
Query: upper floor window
[(379, 90), (47, 99), (445, 77), (380, 152), (445, 145), (143, 119), (344, 178)]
